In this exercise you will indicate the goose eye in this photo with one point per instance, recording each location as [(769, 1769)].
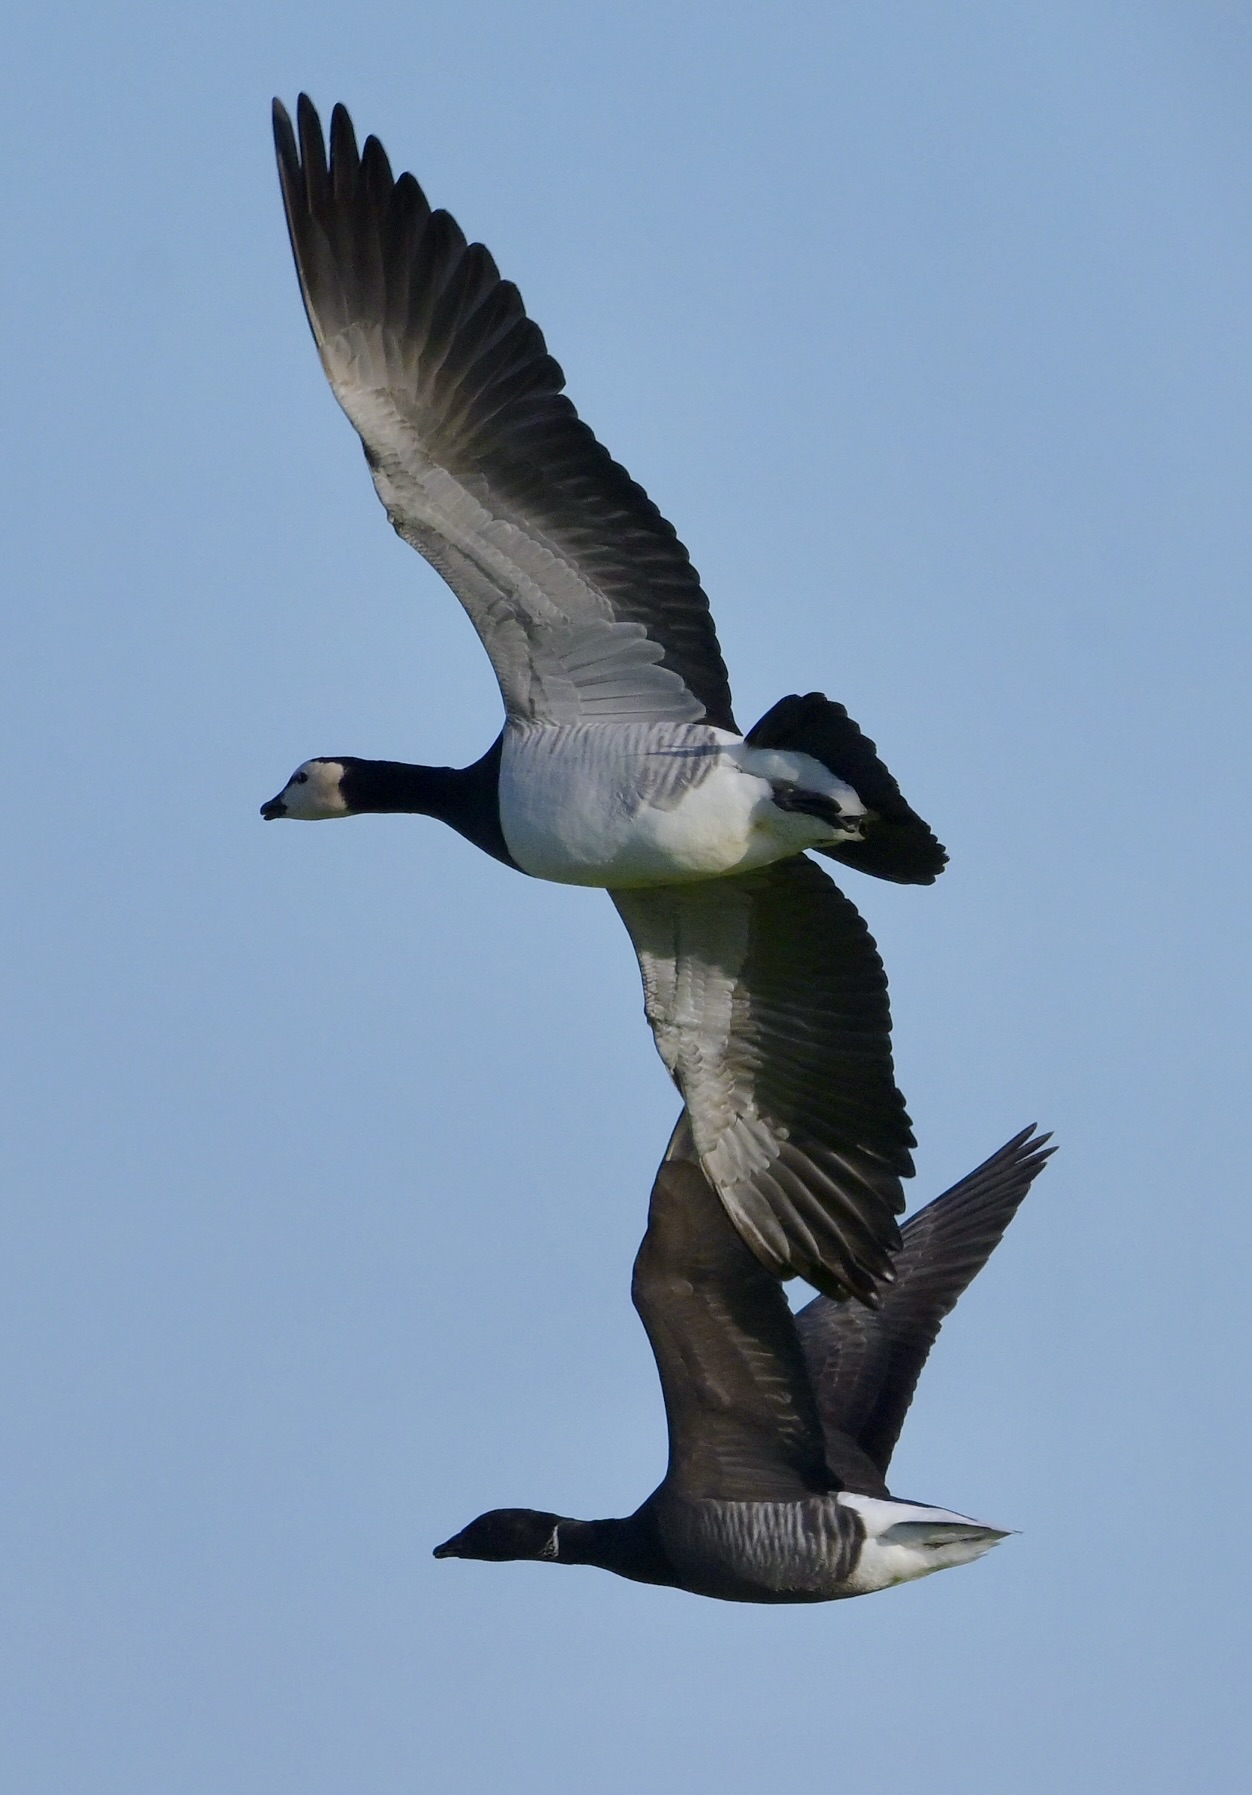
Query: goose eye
[(302, 778)]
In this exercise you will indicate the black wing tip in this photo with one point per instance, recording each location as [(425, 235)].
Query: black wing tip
[(1012, 1167), (307, 129), (1028, 1151), (309, 157), (1001, 1182), (293, 138), (284, 136)]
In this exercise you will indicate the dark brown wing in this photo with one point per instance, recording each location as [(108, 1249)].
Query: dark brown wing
[(581, 592), (769, 1005), (743, 1425), (865, 1366)]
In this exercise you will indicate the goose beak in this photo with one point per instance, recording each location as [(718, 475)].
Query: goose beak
[(275, 808), (448, 1548)]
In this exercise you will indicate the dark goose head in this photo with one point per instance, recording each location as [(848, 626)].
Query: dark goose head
[(504, 1534), (629, 1546)]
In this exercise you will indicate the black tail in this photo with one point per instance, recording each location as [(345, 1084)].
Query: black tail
[(898, 845)]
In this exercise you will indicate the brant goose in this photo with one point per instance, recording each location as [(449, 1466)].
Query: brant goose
[(620, 764), (781, 1426)]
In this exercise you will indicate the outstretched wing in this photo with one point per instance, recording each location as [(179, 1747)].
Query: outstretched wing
[(769, 1005), (581, 592), (743, 1425), (864, 1367)]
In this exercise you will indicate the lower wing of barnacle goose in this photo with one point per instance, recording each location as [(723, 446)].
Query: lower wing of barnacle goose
[(580, 591), (769, 1005)]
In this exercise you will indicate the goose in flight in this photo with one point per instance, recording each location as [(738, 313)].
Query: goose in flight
[(781, 1426), (620, 763)]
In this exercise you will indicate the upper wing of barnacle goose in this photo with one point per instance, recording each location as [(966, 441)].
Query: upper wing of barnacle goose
[(581, 592)]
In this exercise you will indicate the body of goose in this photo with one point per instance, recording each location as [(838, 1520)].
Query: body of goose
[(620, 763), (638, 805), (781, 1426)]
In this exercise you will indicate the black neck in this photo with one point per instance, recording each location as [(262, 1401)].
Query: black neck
[(629, 1547), (466, 798)]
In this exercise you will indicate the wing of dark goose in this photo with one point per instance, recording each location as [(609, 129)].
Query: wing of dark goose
[(865, 1366), (769, 1005), (743, 1425), (581, 592)]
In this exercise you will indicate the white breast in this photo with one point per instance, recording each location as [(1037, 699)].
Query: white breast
[(650, 803)]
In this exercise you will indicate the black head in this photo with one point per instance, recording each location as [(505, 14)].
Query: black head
[(506, 1533)]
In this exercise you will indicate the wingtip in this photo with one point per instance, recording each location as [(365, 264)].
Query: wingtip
[(342, 134), (284, 130), (1030, 1145), (1020, 1159)]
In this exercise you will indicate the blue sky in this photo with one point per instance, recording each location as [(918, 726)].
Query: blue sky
[(328, 1148)]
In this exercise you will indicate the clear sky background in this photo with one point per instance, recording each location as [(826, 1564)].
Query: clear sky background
[(328, 1148)]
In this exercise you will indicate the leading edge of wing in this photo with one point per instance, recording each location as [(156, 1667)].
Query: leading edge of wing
[(743, 1424), (584, 597)]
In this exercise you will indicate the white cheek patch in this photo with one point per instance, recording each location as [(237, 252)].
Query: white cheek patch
[(553, 1547), (319, 794)]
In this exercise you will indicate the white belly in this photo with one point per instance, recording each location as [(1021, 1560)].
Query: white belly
[(651, 803)]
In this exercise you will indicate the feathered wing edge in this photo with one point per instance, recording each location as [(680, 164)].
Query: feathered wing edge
[(864, 1366)]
